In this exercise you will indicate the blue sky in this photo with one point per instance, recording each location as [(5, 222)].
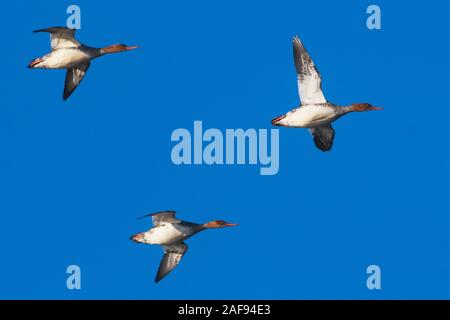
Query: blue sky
[(76, 174)]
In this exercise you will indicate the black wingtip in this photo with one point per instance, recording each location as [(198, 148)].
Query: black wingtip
[(155, 213), (41, 30), (147, 215), (66, 94), (52, 29), (159, 277), (323, 148)]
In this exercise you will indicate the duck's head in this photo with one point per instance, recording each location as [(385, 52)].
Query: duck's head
[(117, 48), (218, 224), (359, 107)]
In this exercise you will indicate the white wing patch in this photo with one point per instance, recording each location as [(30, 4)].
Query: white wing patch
[(164, 216), (61, 38), (308, 77)]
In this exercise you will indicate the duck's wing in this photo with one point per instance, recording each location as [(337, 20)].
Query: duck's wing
[(163, 216), (308, 78), (323, 137), (73, 78), (172, 257), (61, 37)]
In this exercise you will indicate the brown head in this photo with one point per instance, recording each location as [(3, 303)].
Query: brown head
[(117, 48), (218, 224), (359, 107)]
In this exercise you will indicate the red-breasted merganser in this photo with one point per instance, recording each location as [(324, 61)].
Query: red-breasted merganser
[(315, 112), (170, 232), (68, 53)]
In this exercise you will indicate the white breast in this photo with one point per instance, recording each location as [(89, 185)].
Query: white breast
[(64, 59), (310, 116), (165, 233)]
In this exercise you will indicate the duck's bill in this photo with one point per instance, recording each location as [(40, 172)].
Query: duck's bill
[(230, 224), (277, 120), (376, 108), (131, 47)]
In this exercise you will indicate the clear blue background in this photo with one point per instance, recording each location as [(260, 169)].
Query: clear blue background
[(75, 175)]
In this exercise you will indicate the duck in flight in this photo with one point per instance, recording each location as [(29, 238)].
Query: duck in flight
[(170, 233), (68, 53), (315, 112)]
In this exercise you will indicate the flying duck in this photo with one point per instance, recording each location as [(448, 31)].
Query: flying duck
[(314, 112), (170, 233), (68, 53)]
